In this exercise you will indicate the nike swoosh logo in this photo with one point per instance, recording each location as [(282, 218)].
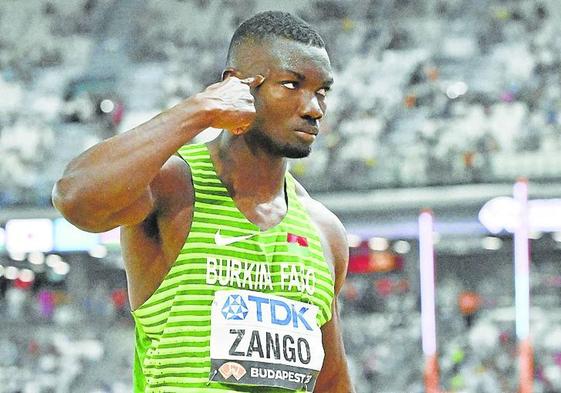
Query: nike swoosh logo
[(224, 240)]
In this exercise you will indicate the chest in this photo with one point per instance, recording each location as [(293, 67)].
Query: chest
[(282, 261), (228, 254), (263, 215)]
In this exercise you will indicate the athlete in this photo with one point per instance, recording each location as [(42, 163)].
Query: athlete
[(233, 270)]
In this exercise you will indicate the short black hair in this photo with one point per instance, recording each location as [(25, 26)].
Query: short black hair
[(272, 24)]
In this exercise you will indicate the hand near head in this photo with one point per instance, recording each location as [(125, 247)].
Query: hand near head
[(232, 103)]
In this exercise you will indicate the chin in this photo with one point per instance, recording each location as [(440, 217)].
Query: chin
[(296, 151), (261, 141)]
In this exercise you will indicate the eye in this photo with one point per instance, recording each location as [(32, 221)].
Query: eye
[(323, 91), (290, 85)]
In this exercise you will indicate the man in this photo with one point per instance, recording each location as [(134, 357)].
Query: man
[(232, 269)]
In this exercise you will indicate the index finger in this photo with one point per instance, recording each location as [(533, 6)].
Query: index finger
[(253, 81)]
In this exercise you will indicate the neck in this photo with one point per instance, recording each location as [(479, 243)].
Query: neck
[(246, 171)]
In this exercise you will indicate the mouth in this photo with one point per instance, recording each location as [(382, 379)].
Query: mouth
[(308, 135), (310, 131)]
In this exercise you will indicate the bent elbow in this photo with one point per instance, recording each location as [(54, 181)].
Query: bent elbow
[(61, 198), (88, 209), (71, 206)]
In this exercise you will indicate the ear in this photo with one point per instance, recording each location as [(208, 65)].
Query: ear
[(230, 71)]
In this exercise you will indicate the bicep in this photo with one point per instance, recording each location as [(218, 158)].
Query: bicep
[(162, 195), (340, 250), (334, 240), (135, 213)]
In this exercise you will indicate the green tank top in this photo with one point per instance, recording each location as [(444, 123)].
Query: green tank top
[(173, 327)]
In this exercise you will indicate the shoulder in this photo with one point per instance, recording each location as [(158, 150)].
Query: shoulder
[(172, 186), (332, 232)]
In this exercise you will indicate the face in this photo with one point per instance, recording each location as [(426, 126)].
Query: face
[(291, 102)]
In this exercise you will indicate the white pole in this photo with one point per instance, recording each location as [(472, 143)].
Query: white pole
[(522, 286), (428, 315)]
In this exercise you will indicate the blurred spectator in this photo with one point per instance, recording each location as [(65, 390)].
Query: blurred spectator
[(469, 303)]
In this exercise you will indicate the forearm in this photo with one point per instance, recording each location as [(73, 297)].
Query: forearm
[(116, 173)]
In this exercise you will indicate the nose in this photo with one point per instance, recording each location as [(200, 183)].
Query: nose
[(311, 108)]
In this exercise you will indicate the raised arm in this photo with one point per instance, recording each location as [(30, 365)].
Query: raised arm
[(111, 183)]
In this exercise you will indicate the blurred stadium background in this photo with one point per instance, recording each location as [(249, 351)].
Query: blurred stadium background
[(438, 104)]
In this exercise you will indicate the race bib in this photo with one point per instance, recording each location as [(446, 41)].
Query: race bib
[(264, 340)]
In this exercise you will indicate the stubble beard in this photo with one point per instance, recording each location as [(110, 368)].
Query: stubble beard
[(259, 140)]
